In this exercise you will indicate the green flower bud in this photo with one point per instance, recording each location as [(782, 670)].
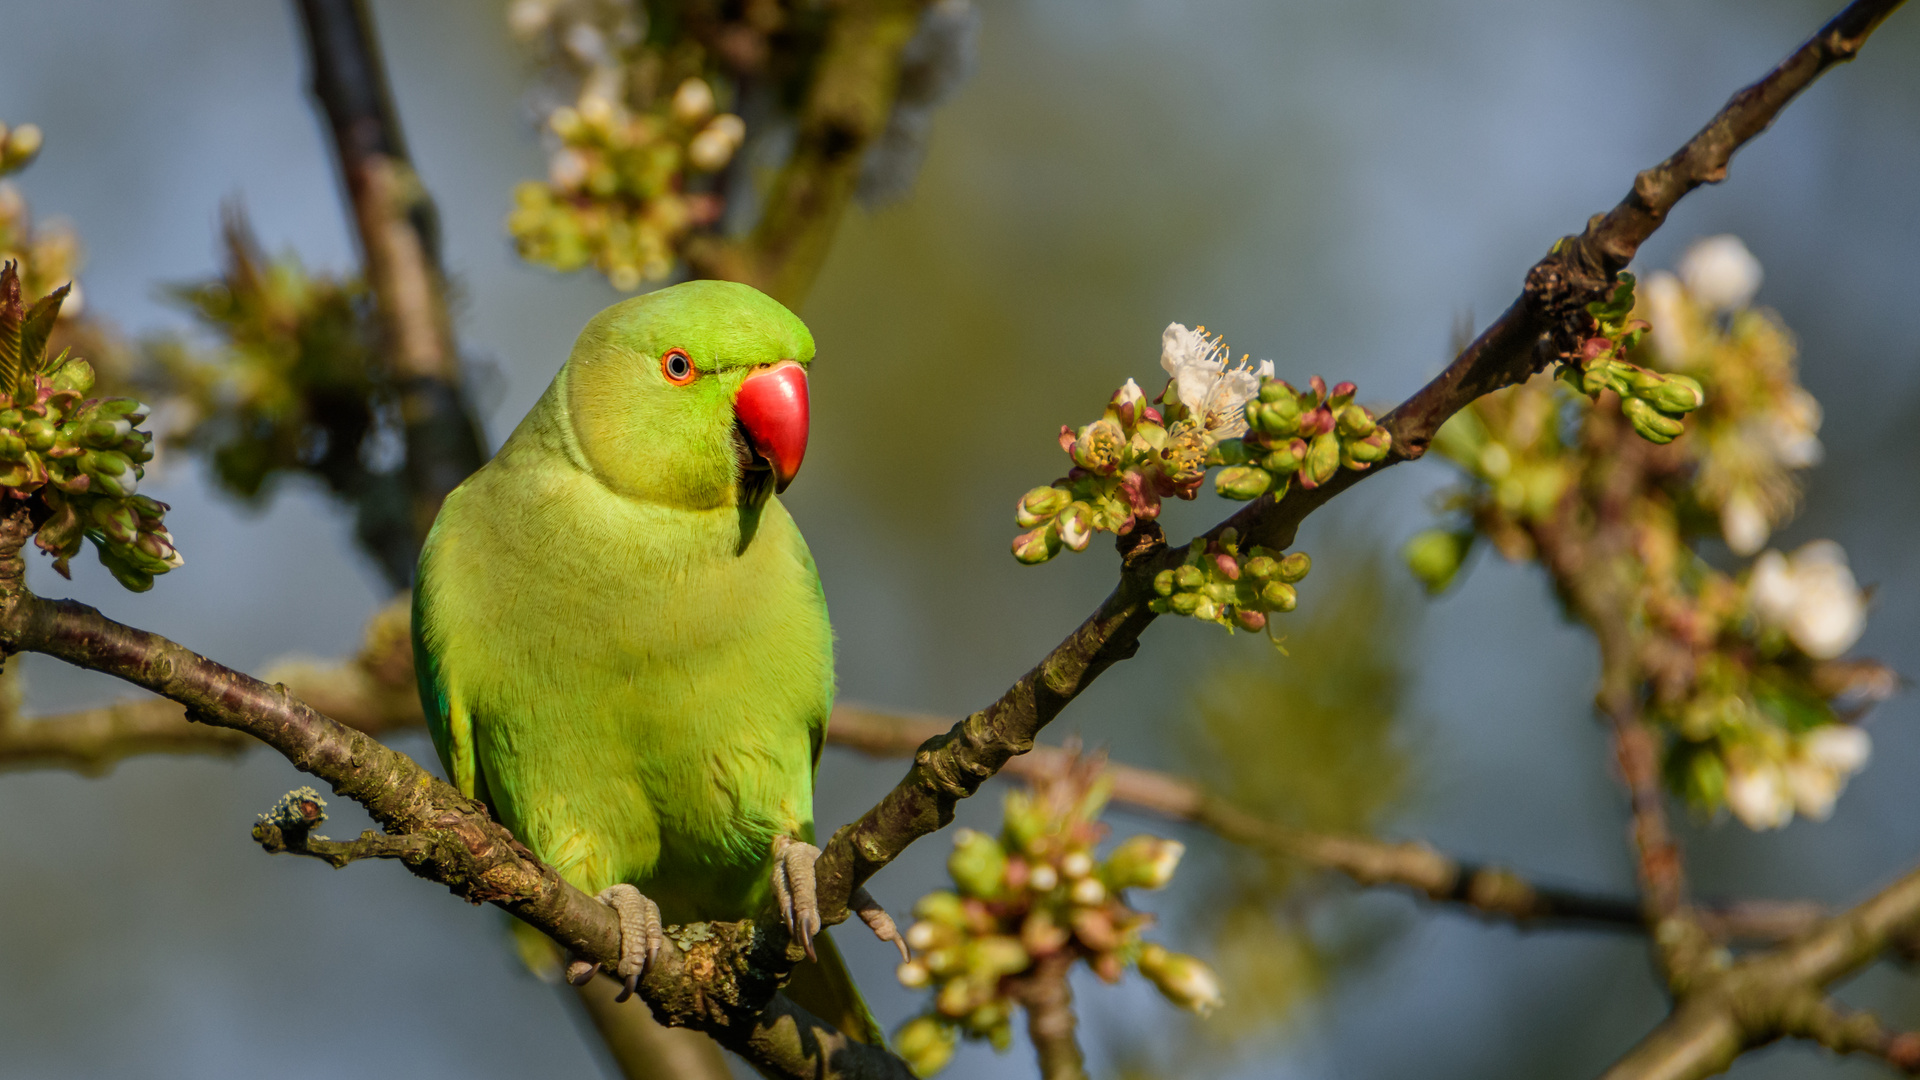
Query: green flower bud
[(1323, 460), (1040, 504), (1653, 425), (1286, 458), (1038, 545), (1278, 596), (116, 520), (1355, 422), (942, 907), (1435, 556), (978, 864), (926, 1044), (1261, 567), (1185, 603), (1243, 482), (104, 434), (1143, 862), (1295, 567), (1163, 583), (1281, 417), (1188, 578), (1184, 980), (997, 955), (12, 418), (1276, 391), (12, 447), (1677, 395), (38, 432), (1374, 447)]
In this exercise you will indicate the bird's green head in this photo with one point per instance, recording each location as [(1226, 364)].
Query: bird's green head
[(693, 396)]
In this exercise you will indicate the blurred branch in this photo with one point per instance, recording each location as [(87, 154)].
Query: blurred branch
[(846, 109), (1727, 1009), (720, 978), (1548, 319), (1048, 999), (398, 229)]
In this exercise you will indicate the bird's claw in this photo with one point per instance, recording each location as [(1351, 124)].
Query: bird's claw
[(793, 887), (877, 920), (641, 938)]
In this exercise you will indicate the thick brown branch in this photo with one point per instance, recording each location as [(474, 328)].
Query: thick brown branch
[(398, 229)]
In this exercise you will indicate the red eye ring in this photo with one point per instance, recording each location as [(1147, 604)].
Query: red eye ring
[(678, 367)]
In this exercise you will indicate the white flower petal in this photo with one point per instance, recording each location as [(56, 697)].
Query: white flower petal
[(1772, 590), (1840, 747), (1744, 524), (1721, 273), (1759, 797)]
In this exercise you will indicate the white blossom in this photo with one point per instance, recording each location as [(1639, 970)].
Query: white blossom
[(1823, 760), (1792, 428), (1812, 596), (1759, 795), (1720, 272), (1743, 523), (1215, 392)]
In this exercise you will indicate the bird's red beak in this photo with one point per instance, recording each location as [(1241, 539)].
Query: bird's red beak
[(772, 410)]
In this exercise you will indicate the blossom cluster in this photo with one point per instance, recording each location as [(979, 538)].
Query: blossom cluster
[(294, 383), (638, 134), (81, 457), (1212, 412), (1037, 893), (1742, 666), (1312, 435), (1221, 584)]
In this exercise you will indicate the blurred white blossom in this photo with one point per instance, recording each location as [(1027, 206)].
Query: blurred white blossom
[(1812, 596), (1721, 273), (1744, 524), (1823, 760), (1758, 795)]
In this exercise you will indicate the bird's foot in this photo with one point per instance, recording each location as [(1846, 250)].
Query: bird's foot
[(877, 920), (641, 939), (793, 887)]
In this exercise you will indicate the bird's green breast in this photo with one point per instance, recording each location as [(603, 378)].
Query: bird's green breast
[(643, 696)]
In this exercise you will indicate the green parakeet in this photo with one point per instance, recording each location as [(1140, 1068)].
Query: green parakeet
[(621, 639)]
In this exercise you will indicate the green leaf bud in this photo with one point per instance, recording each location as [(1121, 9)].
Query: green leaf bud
[(1295, 567), (926, 1044), (978, 864), (1278, 596), (1435, 556), (1243, 482), (1653, 425)]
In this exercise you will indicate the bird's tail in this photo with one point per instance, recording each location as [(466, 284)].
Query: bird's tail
[(824, 987)]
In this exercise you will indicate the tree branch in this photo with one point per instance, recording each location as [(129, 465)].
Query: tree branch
[(1048, 999), (398, 229), (1544, 322)]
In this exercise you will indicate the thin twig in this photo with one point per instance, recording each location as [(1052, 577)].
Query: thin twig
[(1048, 999)]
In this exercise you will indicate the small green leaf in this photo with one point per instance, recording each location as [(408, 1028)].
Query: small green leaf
[(36, 328)]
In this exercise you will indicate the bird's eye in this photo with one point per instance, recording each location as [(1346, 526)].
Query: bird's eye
[(677, 367)]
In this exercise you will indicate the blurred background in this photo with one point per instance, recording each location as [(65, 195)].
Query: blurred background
[(1334, 186)]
